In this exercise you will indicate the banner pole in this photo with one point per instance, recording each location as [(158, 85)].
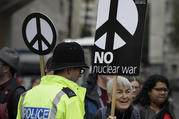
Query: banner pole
[(42, 68), (114, 96)]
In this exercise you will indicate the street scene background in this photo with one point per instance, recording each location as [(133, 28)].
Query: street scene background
[(75, 20)]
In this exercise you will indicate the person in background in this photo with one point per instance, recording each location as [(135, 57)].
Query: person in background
[(48, 64), (123, 105), (152, 100), (136, 86), (96, 96), (10, 86), (35, 82), (58, 96)]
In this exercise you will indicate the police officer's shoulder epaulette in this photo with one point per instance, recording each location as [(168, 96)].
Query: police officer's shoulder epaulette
[(70, 93)]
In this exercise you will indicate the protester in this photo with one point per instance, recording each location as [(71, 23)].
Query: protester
[(152, 101), (96, 96), (136, 85), (10, 88), (123, 106), (48, 64), (58, 96), (35, 82)]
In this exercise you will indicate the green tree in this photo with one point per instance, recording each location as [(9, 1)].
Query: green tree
[(174, 34)]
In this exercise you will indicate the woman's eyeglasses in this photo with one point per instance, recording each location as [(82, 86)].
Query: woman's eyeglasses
[(161, 89)]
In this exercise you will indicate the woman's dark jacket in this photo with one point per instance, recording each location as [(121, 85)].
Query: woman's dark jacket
[(104, 113), (93, 101), (147, 113)]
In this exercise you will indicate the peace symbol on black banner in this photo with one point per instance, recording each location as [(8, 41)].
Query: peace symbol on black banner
[(118, 38)]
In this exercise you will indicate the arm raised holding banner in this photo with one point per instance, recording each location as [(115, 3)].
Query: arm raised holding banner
[(123, 107)]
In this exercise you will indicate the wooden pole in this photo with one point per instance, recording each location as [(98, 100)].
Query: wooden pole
[(42, 67), (114, 96)]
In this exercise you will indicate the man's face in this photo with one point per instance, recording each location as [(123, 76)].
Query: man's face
[(75, 74), (49, 72), (36, 82), (135, 88)]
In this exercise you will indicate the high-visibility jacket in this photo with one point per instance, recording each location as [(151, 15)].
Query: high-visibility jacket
[(54, 98)]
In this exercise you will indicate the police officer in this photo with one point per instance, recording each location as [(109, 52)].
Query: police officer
[(57, 96)]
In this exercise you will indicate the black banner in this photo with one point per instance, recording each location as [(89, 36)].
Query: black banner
[(122, 58)]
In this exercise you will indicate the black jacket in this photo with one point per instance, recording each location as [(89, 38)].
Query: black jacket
[(12, 99), (148, 113), (93, 100), (130, 113)]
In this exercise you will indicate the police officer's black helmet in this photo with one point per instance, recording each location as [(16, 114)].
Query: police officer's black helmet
[(66, 55)]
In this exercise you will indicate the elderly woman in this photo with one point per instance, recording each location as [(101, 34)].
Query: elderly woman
[(152, 101), (123, 107)]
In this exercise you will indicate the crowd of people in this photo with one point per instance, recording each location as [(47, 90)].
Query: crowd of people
[(57, 95)]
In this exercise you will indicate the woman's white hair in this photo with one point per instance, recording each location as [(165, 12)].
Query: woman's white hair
[(121, 81)]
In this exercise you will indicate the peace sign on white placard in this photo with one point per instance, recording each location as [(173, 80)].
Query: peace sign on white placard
[(39, 33)]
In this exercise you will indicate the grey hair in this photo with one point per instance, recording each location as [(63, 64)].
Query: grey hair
[(121, 81)]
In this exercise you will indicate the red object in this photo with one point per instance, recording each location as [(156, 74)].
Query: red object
[(6, 92), (4, 84), (104, 96), (18, 81), (167, 116), (3, 111)]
